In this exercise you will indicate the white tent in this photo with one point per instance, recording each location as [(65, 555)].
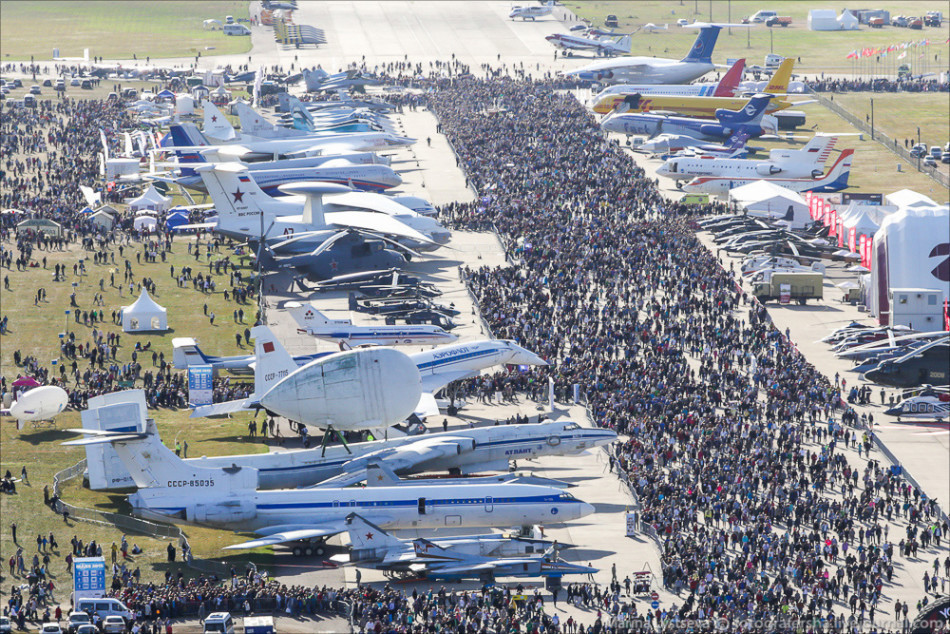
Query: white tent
[(822, 20), (855, 222), (145, 223), (911, 250), (847, 21), (910, 198), (766, 199), (144, 315), (184, 104), (151, 199), (102, 219)]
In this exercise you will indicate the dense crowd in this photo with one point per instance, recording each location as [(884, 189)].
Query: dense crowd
[(878, 84), (734, 454)]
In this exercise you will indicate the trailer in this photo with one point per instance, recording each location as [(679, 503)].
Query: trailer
[(797, 286)]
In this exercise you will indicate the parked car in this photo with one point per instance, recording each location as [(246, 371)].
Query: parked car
[(51, 628), (935, 151), (35, 90), (5, 626), (611, 21), (899, 20), (915, 23), (76, 619), (88, 628), (919, 150), (945, 157), (930, 161), (113, 625), (74, 81)]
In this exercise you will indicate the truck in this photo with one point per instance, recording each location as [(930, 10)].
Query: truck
[(759, 16), (259, 625), (933, 18), (786, 287), (611, 21), (779, 20)]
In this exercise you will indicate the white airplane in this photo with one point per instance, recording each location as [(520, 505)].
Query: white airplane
[(656, 70), (649, 27), (312, 322), (532, 12), (806, 162), (39, 403), (725, 87), (256, 124), (834, 180), (461, 452), (354, 389), (300, 219), (172, 490), (603, 45)]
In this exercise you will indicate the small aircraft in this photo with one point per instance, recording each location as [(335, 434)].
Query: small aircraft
[(343, 99), (750, 119), (482, 557), (532, 12), (38, 403), (654, 70), (649, 27), (314, 323), (318, 80), (172, 490), (928, 402), (834, 180), (725, 87), (808, 161), (603, 45)]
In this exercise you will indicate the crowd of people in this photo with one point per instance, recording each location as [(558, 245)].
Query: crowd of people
[(761, 509)]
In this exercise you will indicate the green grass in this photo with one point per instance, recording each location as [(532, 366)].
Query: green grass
[(35, 330), (819, 51), (117, 30)]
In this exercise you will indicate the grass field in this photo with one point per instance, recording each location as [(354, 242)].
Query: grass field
[(819, 51), (117, 30), (35, 330)]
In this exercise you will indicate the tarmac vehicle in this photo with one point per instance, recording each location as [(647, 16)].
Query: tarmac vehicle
[(786, 287)]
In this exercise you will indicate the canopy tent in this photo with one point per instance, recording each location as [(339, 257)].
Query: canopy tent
[(145, 223), (41, 225), (766, 199), (102, 219), (856, 221), (165, 94), (144, 315), (822, 20), (909, 198), (847, 22), (176, 219), (910, 250), (151, 199), (184, 104)]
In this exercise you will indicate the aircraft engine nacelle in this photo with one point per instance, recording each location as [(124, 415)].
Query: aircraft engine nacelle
[(817, 174), (465, 445), (223, 513), (714, 130), (767, 169), (367, 554)]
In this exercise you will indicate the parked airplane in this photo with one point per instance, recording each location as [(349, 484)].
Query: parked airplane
[(172, 490), (681, 144), (258, 125), (725, 87), (925, 365), (481, 557), (343, 99), (656, 70), (603, 45), (532, 12), (458, 452), (806, 162), (318, 79), (834, 180), (186, 353), (314, 323), (751, 119)]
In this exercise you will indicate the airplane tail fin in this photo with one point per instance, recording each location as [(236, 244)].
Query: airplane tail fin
[(738, 140), (216, 124), (305, 314), (837, 177), (186, 353), (778, 85), (252, 122), (272, 362), (283, 101), (730, 81), (119, 413), (624, 44), (750, 113), (129, 151), (818, 149), (702, 48), (236, 196), (379, 474), (365, 534), (186, 134), (423, 548), (314, 78)]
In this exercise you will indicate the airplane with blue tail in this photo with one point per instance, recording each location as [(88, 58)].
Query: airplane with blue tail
[(751, 119)]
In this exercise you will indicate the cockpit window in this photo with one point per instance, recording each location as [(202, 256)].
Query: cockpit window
[(571, 427), (566, 496)]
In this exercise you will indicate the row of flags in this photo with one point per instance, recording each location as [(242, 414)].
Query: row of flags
[(821, 210), (903, 47)]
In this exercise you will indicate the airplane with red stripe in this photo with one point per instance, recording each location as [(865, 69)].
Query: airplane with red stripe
[(834, 180)]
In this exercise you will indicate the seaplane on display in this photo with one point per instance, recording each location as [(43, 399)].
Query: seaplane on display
[(835, 179), (602, 45), (725, 87), (172, 490), (304, 225), (312, 322), (655, 70), (460, 452), (701, 107), (482, 557), (807, 162), (751, 119), (532, 12)]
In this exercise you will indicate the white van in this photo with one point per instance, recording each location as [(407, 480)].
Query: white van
[(103, 607), (219, 623), (762, 16), (235, 29)]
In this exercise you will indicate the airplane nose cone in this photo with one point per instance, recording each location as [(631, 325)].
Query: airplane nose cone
[(357, 389), (521, 356), (586, 509)]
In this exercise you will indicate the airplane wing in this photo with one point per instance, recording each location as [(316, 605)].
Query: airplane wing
[(427, 406), (198, 225), (434, 382), (319, 530), (227, 407), (375, 222)]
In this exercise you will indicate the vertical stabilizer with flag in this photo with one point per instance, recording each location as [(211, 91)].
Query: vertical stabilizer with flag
[(702, 48)]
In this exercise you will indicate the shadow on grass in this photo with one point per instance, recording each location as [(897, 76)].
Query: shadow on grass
[(47, 436)]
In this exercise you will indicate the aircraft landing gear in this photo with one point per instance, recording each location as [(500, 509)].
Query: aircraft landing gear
[(312, 548), (326, 438)]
